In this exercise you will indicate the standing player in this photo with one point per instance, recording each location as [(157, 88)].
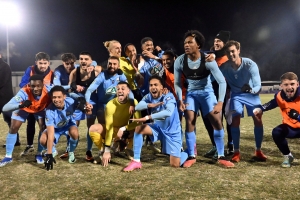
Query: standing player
[(30, 99), (242, 75), (116, 122), (41, 67), (200, 94), (60, 121), (166, 126), (80, 79), (288, 100)]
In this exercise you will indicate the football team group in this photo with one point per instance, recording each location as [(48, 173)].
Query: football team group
[(141, 98)]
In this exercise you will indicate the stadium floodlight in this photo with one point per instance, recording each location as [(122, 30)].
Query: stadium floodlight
[(10, 16)]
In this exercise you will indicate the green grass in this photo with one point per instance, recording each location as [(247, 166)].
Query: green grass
[(24, 179)]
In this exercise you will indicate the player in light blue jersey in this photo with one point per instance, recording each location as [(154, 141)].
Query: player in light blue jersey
[(242, 75), (200, 94), (165, 127), (31, 99), (105, 85), (60, 121), (152, 64)]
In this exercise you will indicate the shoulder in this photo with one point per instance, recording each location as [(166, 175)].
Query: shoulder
[(179, 59), (48, 87), (248, 62), (69, 100), (169, 97)]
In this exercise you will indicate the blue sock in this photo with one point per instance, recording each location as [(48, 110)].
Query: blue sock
[(218, 137), (10, 144), (72, 144), (235, 133), (40, 147), (183, 157), (53, 148), (258, 134), (89, 142), (137, 146), (190, 138)]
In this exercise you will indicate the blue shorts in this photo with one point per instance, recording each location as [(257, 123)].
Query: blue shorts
[(201, 99), (21, 115), (239, 100), (61, 131), (79, 115), (171, 143)]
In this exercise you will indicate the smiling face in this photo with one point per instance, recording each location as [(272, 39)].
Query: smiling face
[(148, 46), (289, 87), (58, 99), (168, 62), (115, 49), (112, 66), (36, 86), (218, 44), (130, 51), (155, 88), (190, 45), (42, 65), (233, 53), (122, 93), (85, 61)]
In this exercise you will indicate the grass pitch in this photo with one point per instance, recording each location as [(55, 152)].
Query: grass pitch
[(24, 179)]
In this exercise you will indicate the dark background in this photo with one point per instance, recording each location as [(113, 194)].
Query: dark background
[(267, 30)]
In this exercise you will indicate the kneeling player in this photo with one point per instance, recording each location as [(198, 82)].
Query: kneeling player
[(166, 126), (59, 121), (116, 123)]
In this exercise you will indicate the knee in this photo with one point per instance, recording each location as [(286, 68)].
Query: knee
[(43, 140), (276, 133), (96, 128)]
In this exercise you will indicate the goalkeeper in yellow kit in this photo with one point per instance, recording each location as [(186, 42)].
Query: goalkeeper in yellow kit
[(116, 124)]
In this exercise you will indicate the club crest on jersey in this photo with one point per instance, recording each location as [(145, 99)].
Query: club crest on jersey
[(68, 113), (155, 69), (168, 98), (18, 98), (62, 124), (236, 76), (111, 90)]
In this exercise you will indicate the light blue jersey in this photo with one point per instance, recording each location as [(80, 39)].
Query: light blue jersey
[(247, 73), (60, 119), (165, 115), (61, 77), (150, 67), (105, 84), (201, 84)]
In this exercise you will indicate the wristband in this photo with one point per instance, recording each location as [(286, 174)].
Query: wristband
[(123, 128), (107, 149), (147, 117), (156, 58)]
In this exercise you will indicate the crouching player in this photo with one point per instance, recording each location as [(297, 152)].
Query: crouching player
[(60, 121), (288, 100), (116, 123), (32, 98), (166, 126)]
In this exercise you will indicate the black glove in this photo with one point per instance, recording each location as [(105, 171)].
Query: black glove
[(81, 104), (73, 86), (246, 88), (49, 162), (294, 114), (119, 72), (25, 104)]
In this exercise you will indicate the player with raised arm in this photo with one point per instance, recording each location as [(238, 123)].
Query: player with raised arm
[(165, 127)]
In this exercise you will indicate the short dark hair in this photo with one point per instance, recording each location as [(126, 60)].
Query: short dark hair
[(57, 88), (113, 58), (170, 53), (124, 83), (68, 56), (36, 77), (42, 56), (161, 80), (289, 76), (146, 39), (128, 44), (86, 53), (199, 38)]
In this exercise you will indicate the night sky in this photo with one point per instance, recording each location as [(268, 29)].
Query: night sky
[(268, 30)]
